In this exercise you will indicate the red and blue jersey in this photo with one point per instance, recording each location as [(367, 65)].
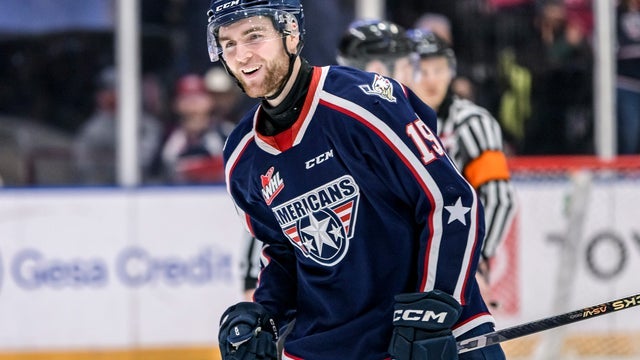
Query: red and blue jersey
[(355, 203)]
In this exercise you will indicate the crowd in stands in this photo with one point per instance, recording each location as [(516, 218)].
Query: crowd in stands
[(628, 80), (529, 62)]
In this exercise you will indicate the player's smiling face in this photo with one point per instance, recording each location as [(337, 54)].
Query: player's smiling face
[(254, 53)]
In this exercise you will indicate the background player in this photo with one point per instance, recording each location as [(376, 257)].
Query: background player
[(472, 138), (365, 219), (378, 46)]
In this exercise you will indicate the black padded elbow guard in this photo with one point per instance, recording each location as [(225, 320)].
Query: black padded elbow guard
[(422, 326)]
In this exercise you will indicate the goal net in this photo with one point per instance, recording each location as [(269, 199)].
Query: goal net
[(575, 242)]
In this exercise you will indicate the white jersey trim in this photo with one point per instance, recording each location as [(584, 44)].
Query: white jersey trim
[(468, 326), (235, 155), (314, 105), (431, 186)]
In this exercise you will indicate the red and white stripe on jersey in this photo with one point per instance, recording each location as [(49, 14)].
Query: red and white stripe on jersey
[(429, 186), (472, 322)]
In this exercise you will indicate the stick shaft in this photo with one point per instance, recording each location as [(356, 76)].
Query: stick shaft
[(529, 328)]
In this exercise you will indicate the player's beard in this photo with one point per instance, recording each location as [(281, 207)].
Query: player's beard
[(275, 75)]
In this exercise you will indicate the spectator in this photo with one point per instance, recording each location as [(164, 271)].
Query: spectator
[(507, 82), (561, 63), (515, 99), (95, 144), (192, 154), (511, 22), (437, 24), (628, 82), (580, 12), (226, 95)]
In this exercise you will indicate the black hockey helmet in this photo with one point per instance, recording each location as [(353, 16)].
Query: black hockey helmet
[(427, 44), (367, 40)]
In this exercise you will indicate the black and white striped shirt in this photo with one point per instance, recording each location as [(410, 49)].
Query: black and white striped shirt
[(473, 139)]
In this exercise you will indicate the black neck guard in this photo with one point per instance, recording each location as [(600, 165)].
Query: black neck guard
[(281, 117)]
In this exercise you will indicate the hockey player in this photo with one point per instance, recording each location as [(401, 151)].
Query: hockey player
[(472, 138), (378, 46), (371, 235)]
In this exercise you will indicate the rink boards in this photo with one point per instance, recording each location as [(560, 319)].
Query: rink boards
[(145, 273)]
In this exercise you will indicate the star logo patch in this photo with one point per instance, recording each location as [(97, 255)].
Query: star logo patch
[(321, 222), (457, 212)]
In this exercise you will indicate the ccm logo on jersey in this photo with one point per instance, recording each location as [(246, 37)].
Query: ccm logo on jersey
[(227, 5), (319, 159), (419, 315), (272, 184)]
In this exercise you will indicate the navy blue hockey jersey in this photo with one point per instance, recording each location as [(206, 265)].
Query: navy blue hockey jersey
[(356, 202)]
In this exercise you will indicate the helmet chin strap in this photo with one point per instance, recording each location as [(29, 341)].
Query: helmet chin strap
[(226, 67), (292, 59)]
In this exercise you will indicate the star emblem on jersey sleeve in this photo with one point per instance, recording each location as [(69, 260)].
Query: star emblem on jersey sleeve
[(457, 212)]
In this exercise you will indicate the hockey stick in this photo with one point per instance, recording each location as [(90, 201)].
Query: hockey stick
[(529, 328)]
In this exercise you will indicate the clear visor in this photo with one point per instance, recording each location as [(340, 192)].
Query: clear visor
[(388, 60), (258, 28)]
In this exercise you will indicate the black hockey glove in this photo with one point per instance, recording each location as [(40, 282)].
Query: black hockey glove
[(422, 326), (247, 332)]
